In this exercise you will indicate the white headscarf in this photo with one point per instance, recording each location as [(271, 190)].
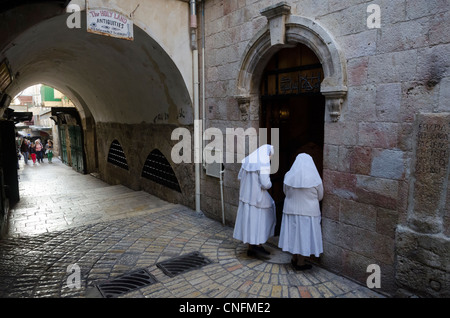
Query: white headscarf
[(258, 160), (303, 173)]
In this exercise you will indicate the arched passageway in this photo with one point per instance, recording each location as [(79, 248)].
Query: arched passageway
[(127, 90), (112, 79)]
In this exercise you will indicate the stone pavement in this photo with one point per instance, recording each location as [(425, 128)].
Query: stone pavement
[(66, 218)]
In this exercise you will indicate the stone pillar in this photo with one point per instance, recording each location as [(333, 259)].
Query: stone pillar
[(423, 250), (430, 173)]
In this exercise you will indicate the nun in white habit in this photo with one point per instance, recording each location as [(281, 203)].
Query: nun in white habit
[(300, 233), (256, 218)]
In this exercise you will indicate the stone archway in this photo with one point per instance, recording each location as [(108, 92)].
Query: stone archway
[(285, 30), (133, 91)]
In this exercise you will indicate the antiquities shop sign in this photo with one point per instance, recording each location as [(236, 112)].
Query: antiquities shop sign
[(109, 23)]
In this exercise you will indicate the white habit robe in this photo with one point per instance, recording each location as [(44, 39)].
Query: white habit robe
[(256, 219), (300, 225)]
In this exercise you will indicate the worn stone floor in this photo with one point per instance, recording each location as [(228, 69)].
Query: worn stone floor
[(65, 218)]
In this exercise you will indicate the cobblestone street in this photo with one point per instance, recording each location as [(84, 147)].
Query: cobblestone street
[(65, 218)]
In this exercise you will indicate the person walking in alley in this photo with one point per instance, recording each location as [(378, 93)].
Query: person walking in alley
[(300, 233), (39, 148), (24, 149), (49, 150), (39, 151), (33, 152), (255, 220)]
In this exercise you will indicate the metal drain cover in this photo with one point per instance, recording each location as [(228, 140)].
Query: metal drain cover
[(184, 263), (126, 283)]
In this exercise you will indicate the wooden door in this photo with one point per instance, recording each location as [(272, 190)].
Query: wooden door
[(76, 148), (291, 101)]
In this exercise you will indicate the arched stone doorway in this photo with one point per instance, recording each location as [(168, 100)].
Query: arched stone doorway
[(295, 30), (292, 103), (286, 32)]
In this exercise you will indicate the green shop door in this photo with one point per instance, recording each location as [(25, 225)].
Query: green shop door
[(63, 142), (76, 148)]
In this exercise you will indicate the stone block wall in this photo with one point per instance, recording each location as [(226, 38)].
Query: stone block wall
[(137, 141), (394, 73)]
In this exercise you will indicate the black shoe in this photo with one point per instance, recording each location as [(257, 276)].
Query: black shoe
[(258, 253), (261, 250), (300, 267)]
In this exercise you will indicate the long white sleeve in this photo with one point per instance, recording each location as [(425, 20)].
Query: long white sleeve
[(264, 179), (320, 191)]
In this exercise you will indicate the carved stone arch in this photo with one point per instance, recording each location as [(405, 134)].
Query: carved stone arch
[(294, 30)]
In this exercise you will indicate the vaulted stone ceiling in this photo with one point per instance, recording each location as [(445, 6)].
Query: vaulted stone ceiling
[(113, 79)]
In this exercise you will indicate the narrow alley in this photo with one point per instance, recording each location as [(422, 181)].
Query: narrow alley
[(65, 218)]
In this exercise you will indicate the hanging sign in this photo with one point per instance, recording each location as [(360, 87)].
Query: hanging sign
[(109, 23)]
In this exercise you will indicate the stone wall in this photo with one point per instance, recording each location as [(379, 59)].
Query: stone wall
[(423, 245), (392, 74), (137, 142)]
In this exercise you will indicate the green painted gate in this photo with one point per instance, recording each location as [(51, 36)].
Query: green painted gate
[(73, 144), (76, 148)]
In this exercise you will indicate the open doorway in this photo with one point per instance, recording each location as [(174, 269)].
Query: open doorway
[(291, 101)]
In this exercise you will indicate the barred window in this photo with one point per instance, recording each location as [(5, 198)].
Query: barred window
[(116, 156), (157, 168)]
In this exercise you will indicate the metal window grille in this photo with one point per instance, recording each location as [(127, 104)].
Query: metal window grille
[(116, 156), (184, 263), (157, 168), (126, 283)]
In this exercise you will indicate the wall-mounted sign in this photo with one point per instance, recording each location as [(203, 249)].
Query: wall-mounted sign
[(5, 76), (109, 23)]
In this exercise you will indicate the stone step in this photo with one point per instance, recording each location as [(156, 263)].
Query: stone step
[(61, 197), (55, 198), (100, 193), (119, 199), (100, 199)]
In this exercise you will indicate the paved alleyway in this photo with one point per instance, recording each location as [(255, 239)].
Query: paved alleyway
[(66, 218)]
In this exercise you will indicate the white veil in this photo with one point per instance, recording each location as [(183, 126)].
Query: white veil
[(258, 160), (303, 173)]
